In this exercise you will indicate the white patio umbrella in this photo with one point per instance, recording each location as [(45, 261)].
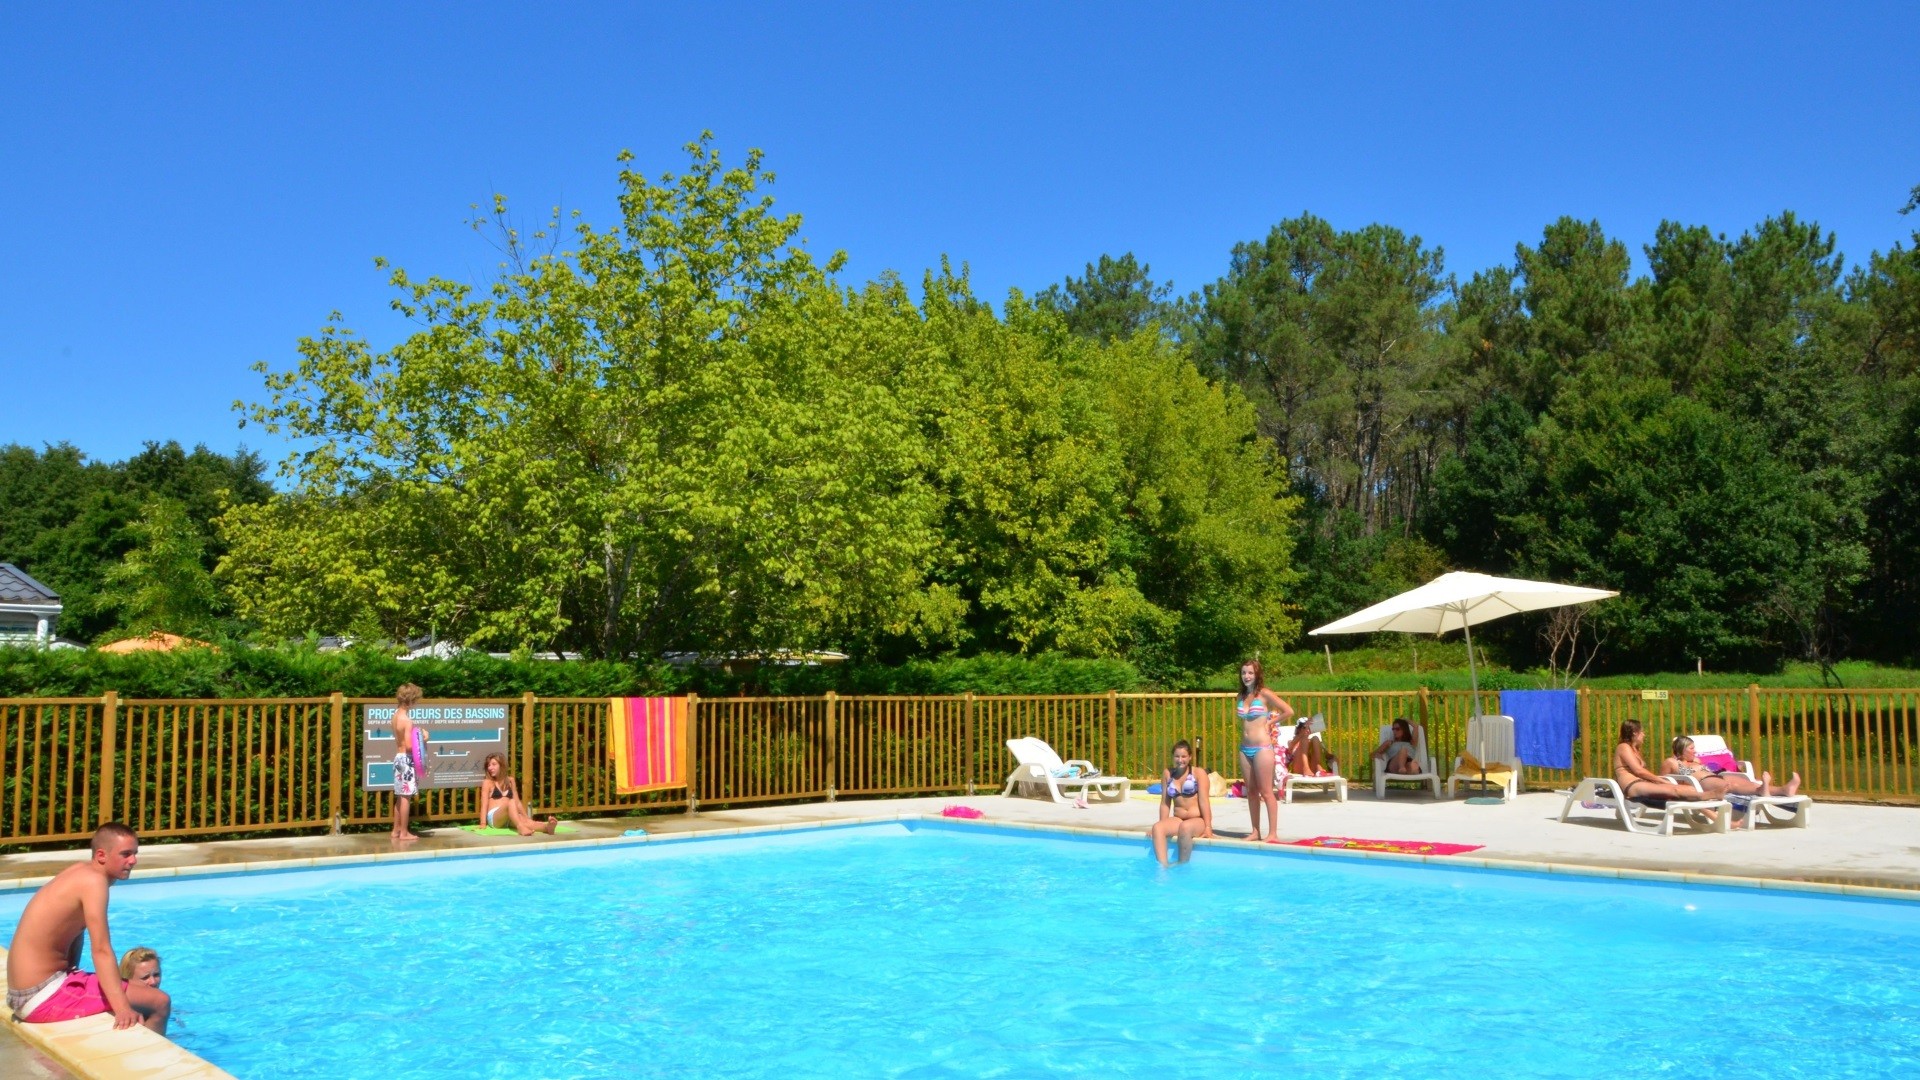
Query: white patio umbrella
[(1457, 601)]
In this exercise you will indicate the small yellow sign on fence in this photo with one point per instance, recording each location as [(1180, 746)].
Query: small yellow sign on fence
[(1653, 695)]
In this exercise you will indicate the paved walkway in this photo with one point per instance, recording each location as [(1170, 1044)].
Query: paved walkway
[(1846, 844), (1849, 844)]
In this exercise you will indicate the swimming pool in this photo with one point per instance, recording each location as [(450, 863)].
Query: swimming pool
[(930, 950)]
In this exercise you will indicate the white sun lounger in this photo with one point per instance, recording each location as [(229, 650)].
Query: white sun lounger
[(1038, 764), (1332, 781), (1790, 810), (1642, 817), (1421, 758), (1490, 741)]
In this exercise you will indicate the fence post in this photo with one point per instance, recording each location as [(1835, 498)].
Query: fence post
[(693, 752), (336, 708), (1113, 733), (1583, 706), (526, 740), (109, 722), (833, 744), (966, 744), (1753, 723), (1423, 718)]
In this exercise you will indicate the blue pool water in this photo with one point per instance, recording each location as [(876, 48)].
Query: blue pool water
[(947, 952)]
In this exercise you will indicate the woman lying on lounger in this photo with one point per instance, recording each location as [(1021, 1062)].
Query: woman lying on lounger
[(1637, 781), (500, 805), (1686, 762), (1186, 805)]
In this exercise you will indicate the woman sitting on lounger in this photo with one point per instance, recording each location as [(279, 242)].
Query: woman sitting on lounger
[(1396, 754), (1637, 781), (500, 805), (1302, 754), (1186, 806), (1686, 762)]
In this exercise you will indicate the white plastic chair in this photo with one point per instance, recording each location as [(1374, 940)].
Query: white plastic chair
[(1426, 775), (1604, 793), (1039, 764), (1490, 742)]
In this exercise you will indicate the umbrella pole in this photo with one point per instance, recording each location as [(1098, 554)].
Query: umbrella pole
[(1473, 671), (1473, 677)]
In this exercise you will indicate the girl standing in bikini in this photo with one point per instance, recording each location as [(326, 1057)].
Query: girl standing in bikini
[(1262, 715)]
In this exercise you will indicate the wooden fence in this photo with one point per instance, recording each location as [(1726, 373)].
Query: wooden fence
[(198, 768)]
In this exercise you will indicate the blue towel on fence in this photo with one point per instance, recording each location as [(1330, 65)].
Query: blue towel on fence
[(1545, 724)]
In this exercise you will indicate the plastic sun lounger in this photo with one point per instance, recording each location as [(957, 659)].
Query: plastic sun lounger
[(1039, 764), (1426, 775), (1490, 741), (1789, 810), (1331, 781), (1639, 816)]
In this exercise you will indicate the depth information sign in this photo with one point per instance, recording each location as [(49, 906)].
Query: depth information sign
[(460, 735)]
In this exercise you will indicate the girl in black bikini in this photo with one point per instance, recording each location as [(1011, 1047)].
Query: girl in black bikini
[(500, 805)]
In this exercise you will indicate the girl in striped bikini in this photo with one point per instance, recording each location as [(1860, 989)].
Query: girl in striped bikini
[(1262, 716)]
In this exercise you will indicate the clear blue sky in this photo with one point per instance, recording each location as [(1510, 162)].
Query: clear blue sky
[(189, 189)]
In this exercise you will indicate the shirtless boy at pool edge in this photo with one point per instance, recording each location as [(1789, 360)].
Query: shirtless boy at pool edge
[(44, 980)]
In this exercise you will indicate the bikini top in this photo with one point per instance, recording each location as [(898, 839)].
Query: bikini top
[(1253, 708), (498, 792), (1187, 788)]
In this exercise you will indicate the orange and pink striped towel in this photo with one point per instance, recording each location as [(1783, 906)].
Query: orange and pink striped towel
[(647, 739)]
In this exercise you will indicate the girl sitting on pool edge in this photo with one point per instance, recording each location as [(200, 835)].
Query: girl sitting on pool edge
[(1186, 805), (500, 803)]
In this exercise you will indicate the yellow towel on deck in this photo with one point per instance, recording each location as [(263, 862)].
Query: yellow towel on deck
[(1497, 773)]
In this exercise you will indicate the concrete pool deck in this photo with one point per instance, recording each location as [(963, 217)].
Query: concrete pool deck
[(1855, 849)]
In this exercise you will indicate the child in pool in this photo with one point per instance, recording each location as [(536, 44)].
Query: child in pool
[(141, 965)]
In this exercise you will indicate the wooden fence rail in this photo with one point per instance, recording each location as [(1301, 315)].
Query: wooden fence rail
[(196, 768)]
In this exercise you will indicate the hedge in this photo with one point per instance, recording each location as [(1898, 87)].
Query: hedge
[(302, 671)]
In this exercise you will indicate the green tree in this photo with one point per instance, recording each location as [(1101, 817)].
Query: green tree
[(641, 444), (1486, 500), (1117, 298), (1684, 510), (1337, 337), (70, 519), (162, 583)]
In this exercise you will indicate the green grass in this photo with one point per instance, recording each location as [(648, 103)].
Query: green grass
[(1443, 666)]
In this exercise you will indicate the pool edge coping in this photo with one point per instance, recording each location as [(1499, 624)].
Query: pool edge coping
[(76, 1044), (91, 1049), (1463, 861), (1527, 866)]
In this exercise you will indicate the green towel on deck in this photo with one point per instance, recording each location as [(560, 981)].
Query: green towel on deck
[(488, 830)]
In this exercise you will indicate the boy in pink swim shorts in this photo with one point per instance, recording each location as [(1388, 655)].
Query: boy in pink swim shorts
[(44, 980)]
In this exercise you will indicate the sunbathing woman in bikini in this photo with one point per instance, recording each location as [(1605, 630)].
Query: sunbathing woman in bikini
[(1186, 805), (1636, 781), (1303, 755), (1686, 762), (500, 805)]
